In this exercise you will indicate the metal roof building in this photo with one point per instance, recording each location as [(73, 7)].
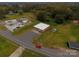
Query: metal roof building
[(73, 45), (41, 26)]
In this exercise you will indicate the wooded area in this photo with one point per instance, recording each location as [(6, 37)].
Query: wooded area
[(49, 13)]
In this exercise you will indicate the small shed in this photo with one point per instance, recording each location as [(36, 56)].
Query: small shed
[(41, 26), (73, 45)]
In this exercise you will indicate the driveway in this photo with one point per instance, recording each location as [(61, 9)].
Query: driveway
[(25, 40)]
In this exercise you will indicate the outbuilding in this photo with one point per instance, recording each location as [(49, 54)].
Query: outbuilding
[(73, 45), (41, 26)]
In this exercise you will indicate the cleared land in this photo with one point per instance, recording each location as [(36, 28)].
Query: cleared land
[(29, 16), (6, 47), (59, 38), (30, 53)]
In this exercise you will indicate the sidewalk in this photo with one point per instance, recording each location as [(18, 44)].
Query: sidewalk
[(17, 52)]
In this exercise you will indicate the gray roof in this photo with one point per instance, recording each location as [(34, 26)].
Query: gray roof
[(73, 45)]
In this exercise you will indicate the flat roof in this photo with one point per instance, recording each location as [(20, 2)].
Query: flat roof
[(41, 26)]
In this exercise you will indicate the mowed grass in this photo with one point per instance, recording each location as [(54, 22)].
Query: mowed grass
[(56, 39), (75, 31), (2, 27), (6, 47), (30, 53)]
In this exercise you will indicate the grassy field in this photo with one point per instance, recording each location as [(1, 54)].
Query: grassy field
[(2, 27), (75, 31), (59, 38), (6, 47), (30, 53)]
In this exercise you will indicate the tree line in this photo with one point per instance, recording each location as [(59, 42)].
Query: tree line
[(57, 13), (49, 13)]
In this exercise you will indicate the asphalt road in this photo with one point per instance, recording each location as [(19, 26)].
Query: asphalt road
[(25, 40)]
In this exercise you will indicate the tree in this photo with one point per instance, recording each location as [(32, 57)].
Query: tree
[(55, 13)]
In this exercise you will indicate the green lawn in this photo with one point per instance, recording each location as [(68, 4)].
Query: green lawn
[(75, 31), (2, 27), (6, 47), (57, 39), (30, 53)]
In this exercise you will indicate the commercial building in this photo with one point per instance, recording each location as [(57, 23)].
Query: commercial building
[(41, 26)]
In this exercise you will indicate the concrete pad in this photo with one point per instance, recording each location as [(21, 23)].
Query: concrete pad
[(17, 52)]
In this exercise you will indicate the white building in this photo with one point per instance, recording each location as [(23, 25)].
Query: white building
[(14, 24), (41, 26)]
